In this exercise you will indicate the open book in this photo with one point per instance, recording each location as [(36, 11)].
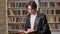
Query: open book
[(27, 32), (30, 32)]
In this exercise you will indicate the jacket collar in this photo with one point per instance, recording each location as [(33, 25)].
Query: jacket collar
[(36, 20)]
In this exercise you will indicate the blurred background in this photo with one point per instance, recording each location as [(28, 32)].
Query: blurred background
[(13, 15)]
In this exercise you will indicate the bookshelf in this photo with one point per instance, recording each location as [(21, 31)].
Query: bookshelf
[(16, 15), (52, 11)]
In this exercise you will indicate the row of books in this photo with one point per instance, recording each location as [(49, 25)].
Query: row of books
[(42, 4), (17, 12), (53, 19), (25, 12), (14, 4), (15, 26), (16, 19), (20, 0), (11, 32), (50, 11), (54, 26), (49, 4), (21, 26), (50, 19)]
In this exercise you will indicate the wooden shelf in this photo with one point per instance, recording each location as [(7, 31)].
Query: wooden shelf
[(52, 11)]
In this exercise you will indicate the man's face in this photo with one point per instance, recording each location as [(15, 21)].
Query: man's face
[(30, 10)]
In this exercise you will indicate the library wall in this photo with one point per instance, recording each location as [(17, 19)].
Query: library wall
[(16, 15), (2, 17)]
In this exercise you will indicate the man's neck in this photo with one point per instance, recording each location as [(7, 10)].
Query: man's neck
[(34, 13)]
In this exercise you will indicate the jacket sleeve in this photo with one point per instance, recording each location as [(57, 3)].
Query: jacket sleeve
[(26, 24), (25, 27), (45, 26)]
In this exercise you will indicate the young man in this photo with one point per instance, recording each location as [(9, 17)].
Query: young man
[(36, 20)]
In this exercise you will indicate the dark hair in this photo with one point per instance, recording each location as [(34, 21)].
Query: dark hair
[(32, 4)]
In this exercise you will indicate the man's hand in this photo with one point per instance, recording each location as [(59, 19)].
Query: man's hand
[(31, 31)]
